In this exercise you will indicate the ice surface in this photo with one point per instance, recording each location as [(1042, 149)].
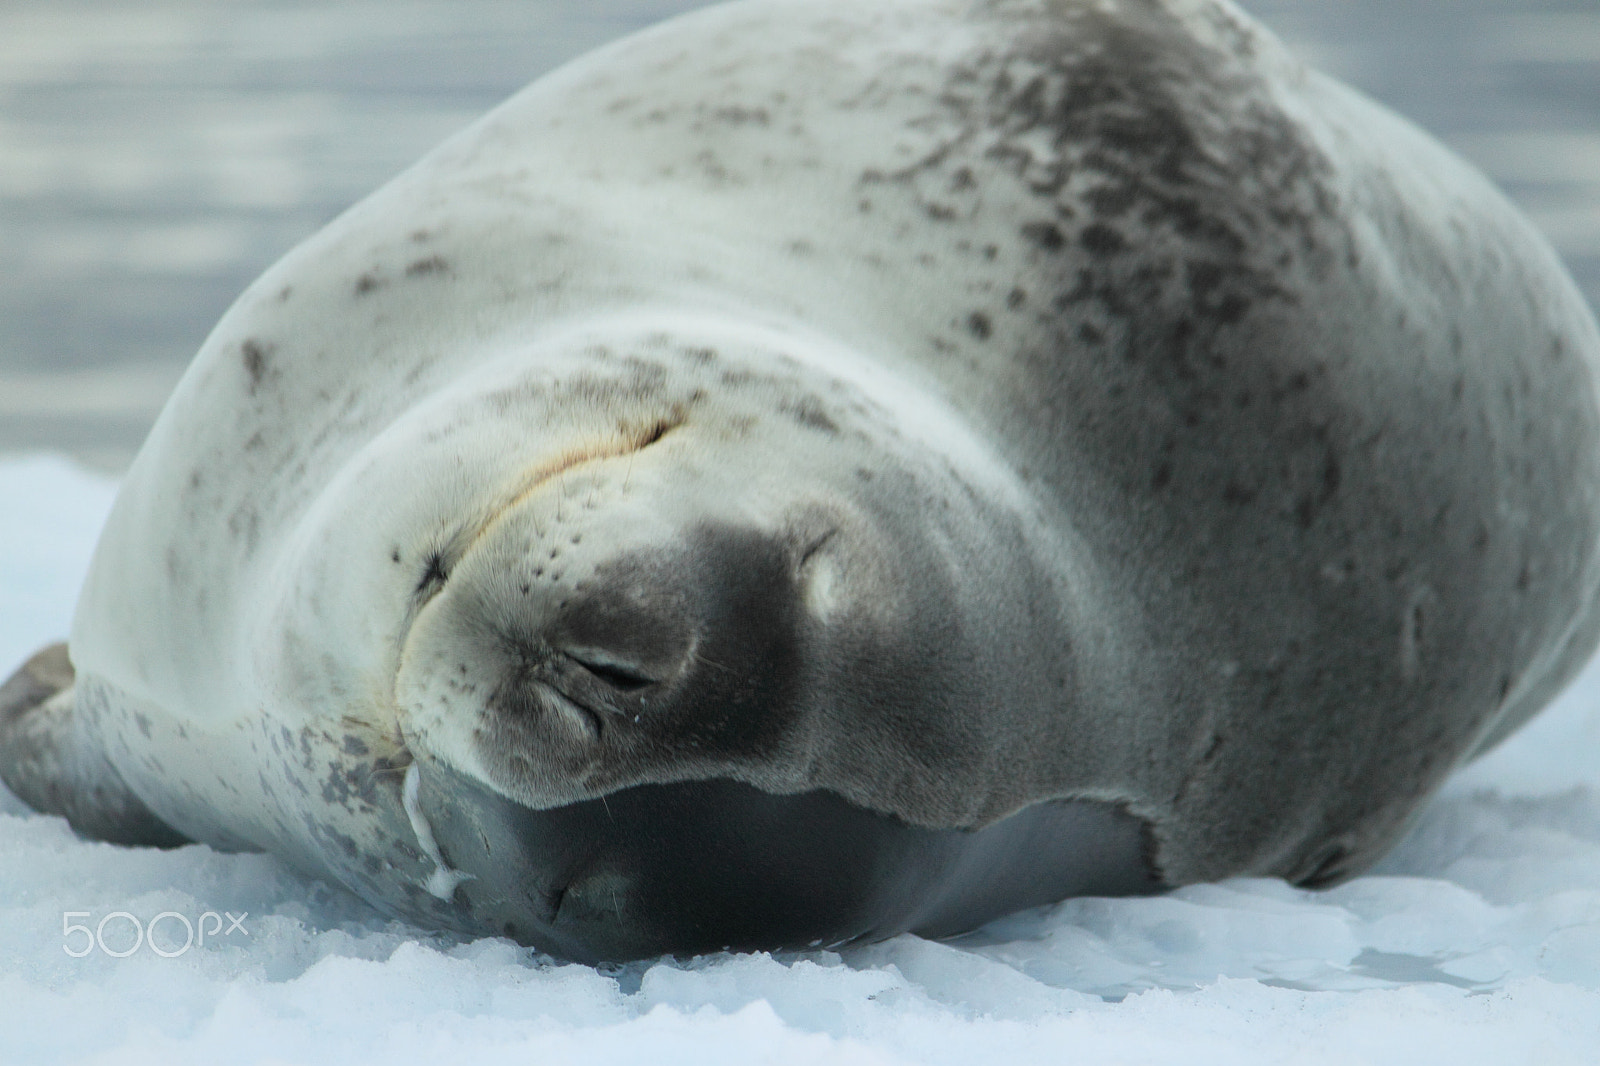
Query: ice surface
[(1477, 941)]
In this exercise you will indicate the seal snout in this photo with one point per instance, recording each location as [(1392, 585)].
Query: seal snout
[(596, 665), (656, 662)]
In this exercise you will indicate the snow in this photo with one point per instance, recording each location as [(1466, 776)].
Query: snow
[(1477, 941)]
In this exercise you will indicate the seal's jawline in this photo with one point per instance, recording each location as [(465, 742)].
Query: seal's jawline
[(696, 866)]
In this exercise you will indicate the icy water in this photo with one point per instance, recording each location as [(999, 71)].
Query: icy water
[(156, 156)]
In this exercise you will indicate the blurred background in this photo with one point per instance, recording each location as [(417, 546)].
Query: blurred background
[(155, 155)]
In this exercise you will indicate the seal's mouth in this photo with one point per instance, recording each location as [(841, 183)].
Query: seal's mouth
[(633, 441)]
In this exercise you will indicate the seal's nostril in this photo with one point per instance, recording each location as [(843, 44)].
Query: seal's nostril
[(621, 676), (631, 627)]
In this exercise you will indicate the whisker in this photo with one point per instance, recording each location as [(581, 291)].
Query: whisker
[(711, 662)]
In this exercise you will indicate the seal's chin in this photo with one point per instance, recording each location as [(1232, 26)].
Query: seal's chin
[(703, 866)]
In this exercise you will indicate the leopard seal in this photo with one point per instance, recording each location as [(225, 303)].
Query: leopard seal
[(810, 471)]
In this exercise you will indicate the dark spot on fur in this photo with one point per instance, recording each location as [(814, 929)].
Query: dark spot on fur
[(809, 412), (1016, 298), (1100, 239), (1045, 235), (366, 283), (742, 116), (979, 326), (1237, 494), (254, 354), (1231, 308), (434, 264)]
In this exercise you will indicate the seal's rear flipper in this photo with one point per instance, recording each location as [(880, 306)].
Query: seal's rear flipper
[(53, 766)]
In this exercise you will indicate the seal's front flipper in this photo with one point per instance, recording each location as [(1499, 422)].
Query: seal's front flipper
[(49, 761)]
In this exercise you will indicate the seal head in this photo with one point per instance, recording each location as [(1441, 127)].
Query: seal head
[(667, 660)]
